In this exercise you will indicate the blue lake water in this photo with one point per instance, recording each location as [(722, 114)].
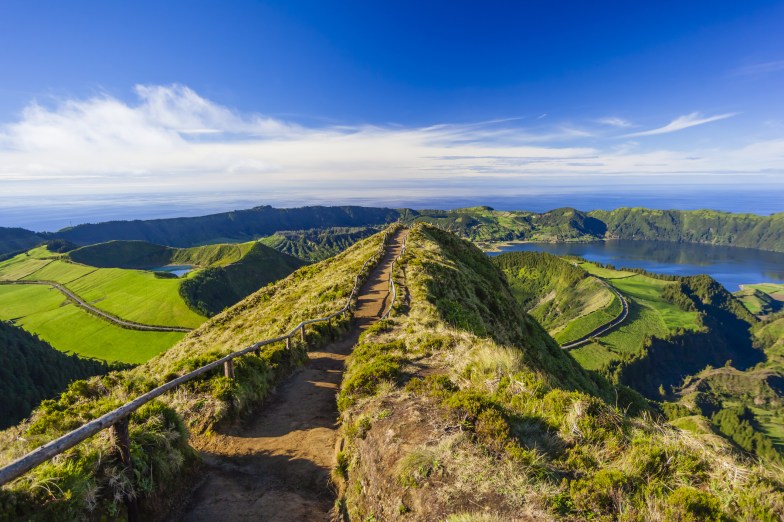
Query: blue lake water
[(178, 270), (730, 266)]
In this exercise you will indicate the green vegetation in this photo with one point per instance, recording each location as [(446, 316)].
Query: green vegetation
[(483, 224), (478, 412), (70, 329), (210, 291), (562, 297), (762, 299), (132, 295), (146, 256), (747, 407), (17, 240), (31, 370), (88, 481), (317, 244), (227, 227), (697, 226)]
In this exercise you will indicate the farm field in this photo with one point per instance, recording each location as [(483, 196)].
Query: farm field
[(46, 312), (133, 295), (762, 299), (649, 315)]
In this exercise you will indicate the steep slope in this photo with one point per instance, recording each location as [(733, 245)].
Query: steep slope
[(699, 226), (561, 296), (240, 225), (461, 408), (31, 370), (484, 224), (211, 290), (17, 240), (316, 244), (88, 480), (145, 256)]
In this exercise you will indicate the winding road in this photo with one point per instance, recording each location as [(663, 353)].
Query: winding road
[(122, 323), (605, 327)]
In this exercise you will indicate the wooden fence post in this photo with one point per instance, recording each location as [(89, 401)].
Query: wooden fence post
[(302, 332), (123, 440), (288, 343), (228, 368)]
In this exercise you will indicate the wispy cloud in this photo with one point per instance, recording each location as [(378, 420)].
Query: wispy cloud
[(173, 140), (614, 121), (758, 69), (682, 122)]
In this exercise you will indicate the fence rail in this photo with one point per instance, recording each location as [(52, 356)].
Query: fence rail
[(392, 286), (118, 418)]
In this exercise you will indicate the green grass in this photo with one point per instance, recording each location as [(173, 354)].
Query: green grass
[(590, 322), (604, 273), (649, 315), (137, 296), (772, 289), (61, 271), (20, 266), (592, 356), (45, 311), (134, 295)]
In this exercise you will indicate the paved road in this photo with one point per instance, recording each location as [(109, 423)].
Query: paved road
[(276, 466), (122, 323), (605, 327)]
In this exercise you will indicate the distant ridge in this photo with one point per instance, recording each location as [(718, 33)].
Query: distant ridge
[(479, 224)]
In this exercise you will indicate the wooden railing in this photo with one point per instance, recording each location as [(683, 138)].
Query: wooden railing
[(118, 418), (392, 286)]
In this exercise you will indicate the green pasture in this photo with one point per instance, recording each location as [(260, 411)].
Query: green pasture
[(649, 315), (46, 312), (134, 295)]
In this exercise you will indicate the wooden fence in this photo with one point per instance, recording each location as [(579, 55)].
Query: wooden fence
[(118, 419)]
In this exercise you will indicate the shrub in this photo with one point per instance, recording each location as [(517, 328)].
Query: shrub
[(687, 504)]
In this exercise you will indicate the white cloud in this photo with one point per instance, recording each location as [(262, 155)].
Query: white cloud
[(682, 122), (614, 121), (758, 69), (173, 140)]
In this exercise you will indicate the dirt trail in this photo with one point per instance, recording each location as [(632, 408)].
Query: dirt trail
[(276, 466)]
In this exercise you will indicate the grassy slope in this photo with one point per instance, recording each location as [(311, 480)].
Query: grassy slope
[(31, 370), (134, 295), (46, 312), (161, 454), (649, 315), (212, 290), (237, 226), (709, 226), (563, 298), (143, 255), (763, 298), (473, 412), (316, 244)]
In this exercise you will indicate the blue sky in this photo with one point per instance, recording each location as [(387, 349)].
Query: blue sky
[(334, 101)]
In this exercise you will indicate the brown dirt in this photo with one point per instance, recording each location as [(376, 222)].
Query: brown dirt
[(276, 466)]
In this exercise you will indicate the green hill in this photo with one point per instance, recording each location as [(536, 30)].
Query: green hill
[(236, 226), (316, 244), (17, 240), (461, 408), (210, 291), (86, 480), (698, 226), (31, 370), (562, 297)]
